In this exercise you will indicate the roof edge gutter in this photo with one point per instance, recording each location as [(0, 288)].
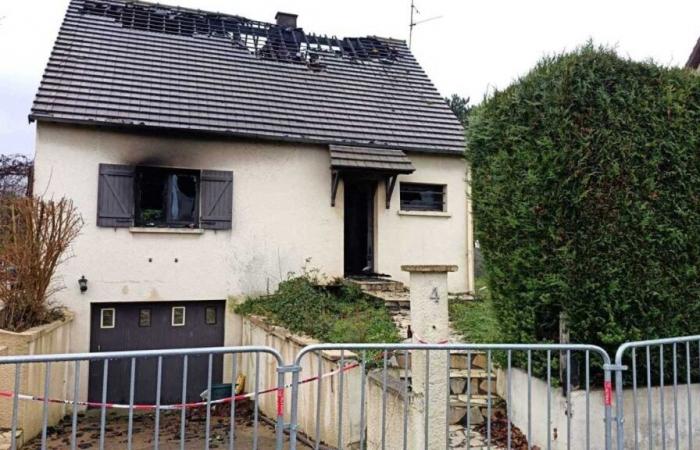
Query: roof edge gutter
[(197, 131)]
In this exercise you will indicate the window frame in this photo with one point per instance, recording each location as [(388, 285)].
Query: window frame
[(428, 209), (167, 202), (206, 317), (150, 317), (102, 318), (172, 316)]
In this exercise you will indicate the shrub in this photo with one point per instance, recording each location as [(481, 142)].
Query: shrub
[(331, 314), (34, 236), (586, 190)]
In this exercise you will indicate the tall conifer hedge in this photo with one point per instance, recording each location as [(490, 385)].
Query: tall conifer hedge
[(586, 190)]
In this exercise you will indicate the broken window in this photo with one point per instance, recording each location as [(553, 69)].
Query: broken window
[(166, 197), (422, 197), (158, 197)]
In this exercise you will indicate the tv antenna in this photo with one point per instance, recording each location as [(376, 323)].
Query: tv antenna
[(416, 22)]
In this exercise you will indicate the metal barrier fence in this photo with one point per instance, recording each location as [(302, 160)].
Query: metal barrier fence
[(665, 370), (393, 396), (134, 358), (381, 356)]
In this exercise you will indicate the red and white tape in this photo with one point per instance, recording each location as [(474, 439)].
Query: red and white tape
[(139, 406)]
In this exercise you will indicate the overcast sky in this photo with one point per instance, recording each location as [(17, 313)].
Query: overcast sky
[(474, 47)]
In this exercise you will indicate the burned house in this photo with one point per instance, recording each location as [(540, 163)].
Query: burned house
[(211, 155)]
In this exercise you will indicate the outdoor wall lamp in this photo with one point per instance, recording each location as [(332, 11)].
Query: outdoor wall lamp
[(82, 282)]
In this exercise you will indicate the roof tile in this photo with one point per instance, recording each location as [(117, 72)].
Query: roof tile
[(367, 92)]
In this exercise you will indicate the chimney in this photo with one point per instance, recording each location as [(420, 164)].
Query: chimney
[(286, 20)]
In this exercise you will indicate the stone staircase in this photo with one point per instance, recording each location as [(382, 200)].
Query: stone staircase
[(469, 383), (394, 293), (396, 297), (468, 386)]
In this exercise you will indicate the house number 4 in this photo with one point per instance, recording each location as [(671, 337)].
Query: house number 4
[(434, 296)]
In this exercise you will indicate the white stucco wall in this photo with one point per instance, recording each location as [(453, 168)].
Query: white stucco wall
[(281, 217), (425, 238)]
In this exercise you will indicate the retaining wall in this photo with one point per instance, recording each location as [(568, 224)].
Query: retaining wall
[(46, 339), (558, 423), (255, 331)]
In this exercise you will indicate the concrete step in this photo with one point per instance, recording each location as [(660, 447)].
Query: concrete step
[(400, 299), (474, 399), (6, 438), (458, 380), (375, 285), (477, 406), (475, 374), (459, 360), (395, 301), (478, 386), (460, 296), (463, 439)]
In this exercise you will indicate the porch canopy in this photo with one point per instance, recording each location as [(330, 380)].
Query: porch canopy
[(380, 163)]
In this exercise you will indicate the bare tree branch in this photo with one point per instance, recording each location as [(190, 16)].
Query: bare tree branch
[(34, 237), (15, 175)]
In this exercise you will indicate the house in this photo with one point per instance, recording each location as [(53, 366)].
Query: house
[(694, 59), (210, 155)]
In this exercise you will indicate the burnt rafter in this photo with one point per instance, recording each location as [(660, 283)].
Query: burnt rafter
[(264, 40)]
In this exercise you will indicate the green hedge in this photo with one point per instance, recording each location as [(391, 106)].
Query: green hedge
[(586, 190)]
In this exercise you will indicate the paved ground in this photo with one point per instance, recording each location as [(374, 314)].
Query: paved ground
[(143, 431)]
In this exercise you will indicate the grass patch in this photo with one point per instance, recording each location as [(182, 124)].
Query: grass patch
[(340, 313), (476, 319)]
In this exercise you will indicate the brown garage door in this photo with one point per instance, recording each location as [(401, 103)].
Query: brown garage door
[(148, 326)]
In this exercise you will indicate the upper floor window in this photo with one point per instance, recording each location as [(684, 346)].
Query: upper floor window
[(166, 197), (422, 197), (163, 197)]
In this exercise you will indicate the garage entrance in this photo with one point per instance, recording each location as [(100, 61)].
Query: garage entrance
[(150, 326)]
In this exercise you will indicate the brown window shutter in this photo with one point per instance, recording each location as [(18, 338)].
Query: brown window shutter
[(216, 199), (115, 196)]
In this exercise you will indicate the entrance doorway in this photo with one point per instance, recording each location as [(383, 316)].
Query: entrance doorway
[(359, 226)]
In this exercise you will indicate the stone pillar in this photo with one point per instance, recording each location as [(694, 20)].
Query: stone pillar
[(430, 324)]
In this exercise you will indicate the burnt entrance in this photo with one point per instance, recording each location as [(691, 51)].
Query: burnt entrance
[(361, 169), (359, 225)]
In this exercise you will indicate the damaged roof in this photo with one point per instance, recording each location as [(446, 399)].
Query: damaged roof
[(126, 63)]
